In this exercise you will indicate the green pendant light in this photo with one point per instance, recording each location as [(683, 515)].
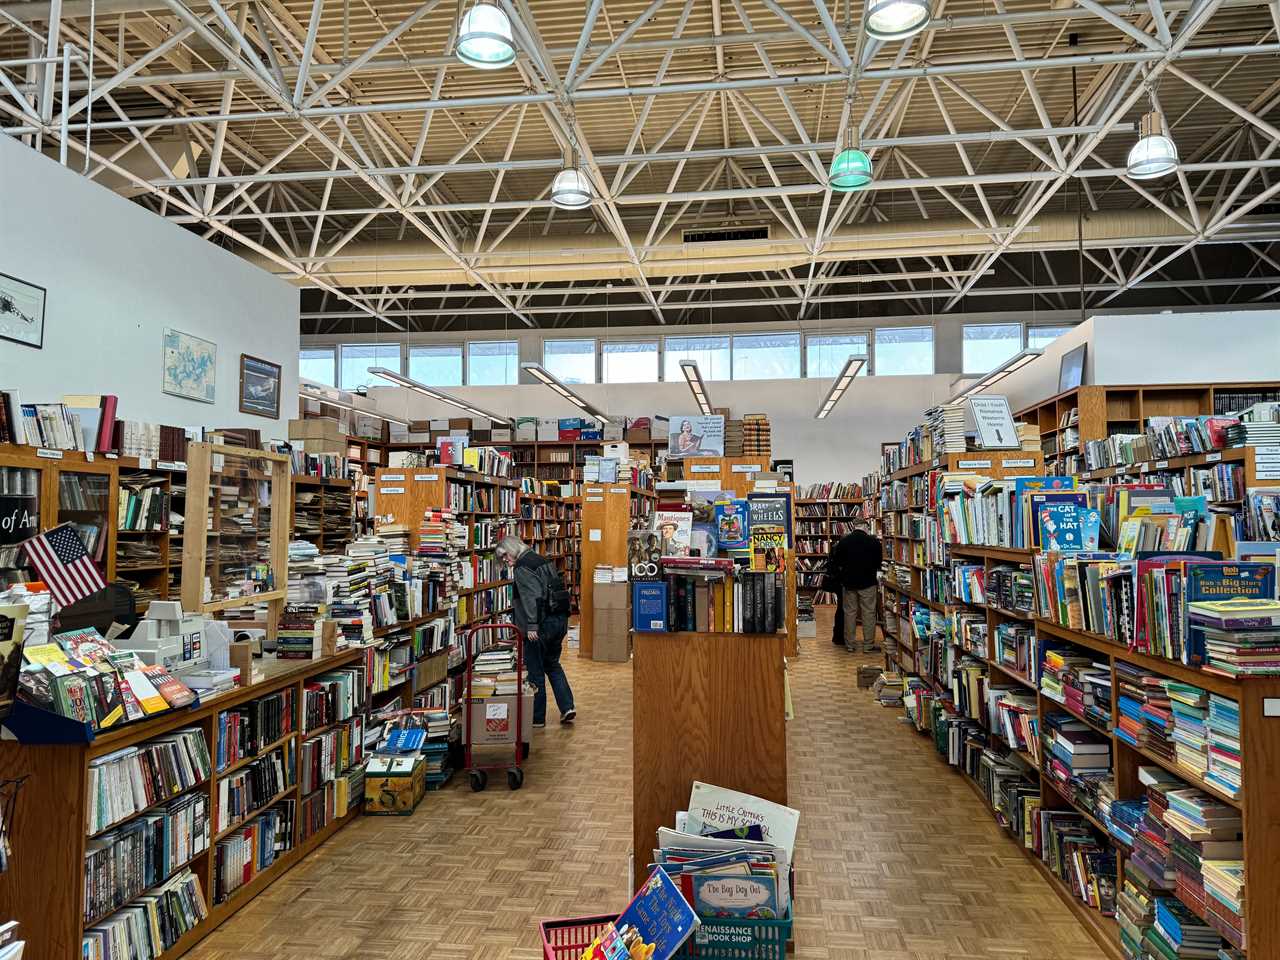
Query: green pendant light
[(851, 167)]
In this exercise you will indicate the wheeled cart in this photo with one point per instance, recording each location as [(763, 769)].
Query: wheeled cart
[(497, 720)]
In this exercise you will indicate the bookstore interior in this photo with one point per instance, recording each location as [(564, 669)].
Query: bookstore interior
[(439, 569)]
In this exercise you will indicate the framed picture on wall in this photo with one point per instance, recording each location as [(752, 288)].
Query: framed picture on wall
[(21, 312), (1071, 370), (259, 387), (189, 366)]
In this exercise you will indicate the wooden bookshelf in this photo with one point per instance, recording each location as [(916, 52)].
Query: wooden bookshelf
[(560, 461), (44, 885), (721, 697), (1095, 412), (551, 526), (333, 511), (609, 512), (815, 522)]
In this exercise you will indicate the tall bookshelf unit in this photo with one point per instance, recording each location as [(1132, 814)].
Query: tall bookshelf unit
[(561, 461), (551, 525), (820, 523), (44, 886), (405, 493), (324, 515), (610, 511)]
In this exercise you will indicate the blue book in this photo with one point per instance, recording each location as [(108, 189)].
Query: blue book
[(649, 606), (1056, 521), (733, 525), (659, 916)]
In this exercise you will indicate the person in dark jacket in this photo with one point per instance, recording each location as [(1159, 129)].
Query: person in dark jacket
[(537, 583), (853, 564)]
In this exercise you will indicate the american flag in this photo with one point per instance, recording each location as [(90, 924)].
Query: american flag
[(64, 564)]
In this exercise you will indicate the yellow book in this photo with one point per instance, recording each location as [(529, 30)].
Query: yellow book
[(147, 695)]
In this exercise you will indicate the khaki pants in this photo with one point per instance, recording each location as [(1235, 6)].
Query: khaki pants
[(860, 603)]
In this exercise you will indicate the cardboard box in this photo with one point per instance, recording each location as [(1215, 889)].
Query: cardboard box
[(460, 423), (395, 794), (526, 429), (548, 428), (397, 433), (495, 720), (321, 446), (503, 434), (371, 428), (318, 428), (613, 431), (590, 435), (440, 425), (481, 436), (658, 427), (609, 596), (618, 451), (611, 636)]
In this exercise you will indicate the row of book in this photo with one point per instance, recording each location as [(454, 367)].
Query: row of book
[(246, 729), (123, 864), (324, 757), (830, 490), (256, 784), (150, 925), (330, 697), (246, 852), (143, 505), (128, 781)]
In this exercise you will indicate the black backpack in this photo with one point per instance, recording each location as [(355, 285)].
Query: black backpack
[(557, 595)]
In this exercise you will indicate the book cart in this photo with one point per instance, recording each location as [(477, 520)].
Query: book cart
[(44, 887)]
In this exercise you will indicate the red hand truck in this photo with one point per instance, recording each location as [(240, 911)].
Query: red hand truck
[(472, 638)]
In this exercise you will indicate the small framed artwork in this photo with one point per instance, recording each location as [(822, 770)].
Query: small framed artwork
[(190, 365), (21, 312), (1071, 370), (259, 387)]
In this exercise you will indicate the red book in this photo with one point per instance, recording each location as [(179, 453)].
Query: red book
[(106, 426)]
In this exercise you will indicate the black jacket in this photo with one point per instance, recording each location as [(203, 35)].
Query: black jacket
[(855, 560)]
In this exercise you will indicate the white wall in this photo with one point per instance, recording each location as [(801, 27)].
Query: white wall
[(116, 275), (845, 446)]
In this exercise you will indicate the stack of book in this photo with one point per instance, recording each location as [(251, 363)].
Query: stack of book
[(1224, 899), (756, 435), (1079, 684), (1124, 819), (733, 438), (946, 428), (298, 634), (1152, 857), (1190, 707), (493, 673), (1178, 932), (1135, 910), (1145, 720), (1076, 757), (1242, 636), (1224, 745)]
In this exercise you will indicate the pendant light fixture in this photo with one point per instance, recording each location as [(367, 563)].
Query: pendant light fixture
[(320, 394), (484, 38), (571, 189), (1155, 154), (694, 378), (546, 377), (850, 167), (897, 19), (1013, 364), (400, 380)]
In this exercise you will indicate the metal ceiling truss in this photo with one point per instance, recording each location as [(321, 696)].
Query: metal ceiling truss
[(343, 146)]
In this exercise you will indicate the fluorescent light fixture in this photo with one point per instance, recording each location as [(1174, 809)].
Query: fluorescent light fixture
[(541, 373), (692, 374), (317, 393), (1016, 362), (484, 38), (852, 367), (400, 380)]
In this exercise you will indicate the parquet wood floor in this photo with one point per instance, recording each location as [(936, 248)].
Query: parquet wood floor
[(897, 859)]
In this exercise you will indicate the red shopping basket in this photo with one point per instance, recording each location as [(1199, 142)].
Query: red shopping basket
[(566, 939)]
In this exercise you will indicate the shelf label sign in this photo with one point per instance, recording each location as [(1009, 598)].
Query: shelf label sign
[(392, 477), (391, 489), (972, 464), (49, 454), (1021, 462), (1212, 457), (1162, 464), (595, 499), (745, 468), (704, 468), (425, 476), (622, 490)]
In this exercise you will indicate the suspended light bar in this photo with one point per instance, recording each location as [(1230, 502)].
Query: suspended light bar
[(316, 392), (1155, 154), (1016, 362), (692, 374), (852, 367), (484, 38), (541, 373), (402, 381), (897, 19)]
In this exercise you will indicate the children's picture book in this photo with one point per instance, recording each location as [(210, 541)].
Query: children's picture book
[(675, 531), (751, 831), (770, 510), (1057, 520), (719, 808), (1091, 528), (768, 549), (753, 897), (732, 522), (1219, 580), (654, 926)]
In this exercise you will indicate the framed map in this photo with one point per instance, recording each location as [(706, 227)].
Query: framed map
[(189, 364)]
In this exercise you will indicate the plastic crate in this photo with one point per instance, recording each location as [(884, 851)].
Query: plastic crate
[(715, 939)]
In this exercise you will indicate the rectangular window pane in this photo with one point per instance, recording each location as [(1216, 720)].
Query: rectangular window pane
[(436, 365), (357, 358), (573, 361), (903, 350), (316, 363), (987, 345), (493, 363), (1040, 337), (630, 361), (825, 353), (710, 353), (766, 356)]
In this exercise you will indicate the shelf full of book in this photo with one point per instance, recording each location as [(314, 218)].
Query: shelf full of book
[(824, 513), (551, 525), (561, 461), (321, 512), (77, 814)]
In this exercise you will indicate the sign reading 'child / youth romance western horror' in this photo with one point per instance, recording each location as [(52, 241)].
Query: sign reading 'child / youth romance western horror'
[(994, 422)]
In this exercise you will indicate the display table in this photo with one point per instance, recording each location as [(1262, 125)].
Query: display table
[(709, 707)]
